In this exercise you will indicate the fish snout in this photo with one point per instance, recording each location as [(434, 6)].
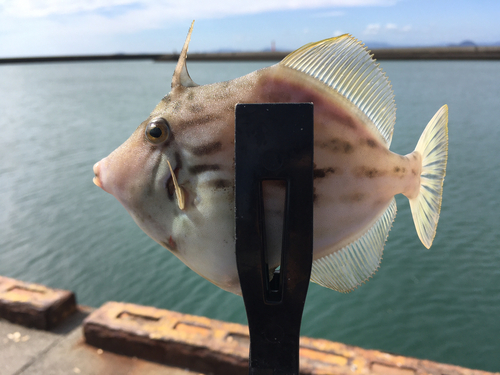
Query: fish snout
[(97, 170), (104, 176)]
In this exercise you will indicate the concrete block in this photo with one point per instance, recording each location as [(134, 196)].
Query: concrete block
[(34, 305), (168, 337), (214, 347)]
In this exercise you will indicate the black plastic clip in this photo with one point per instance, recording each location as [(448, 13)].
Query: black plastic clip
[(274, 142)]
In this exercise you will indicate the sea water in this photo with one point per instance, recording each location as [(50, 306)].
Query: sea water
[(57, 228)]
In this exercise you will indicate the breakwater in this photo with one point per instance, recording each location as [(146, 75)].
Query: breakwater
[(421, 53)]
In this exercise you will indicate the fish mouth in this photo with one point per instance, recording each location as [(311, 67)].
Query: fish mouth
[(96, 180)]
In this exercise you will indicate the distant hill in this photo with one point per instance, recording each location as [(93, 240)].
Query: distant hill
[(465, 43)]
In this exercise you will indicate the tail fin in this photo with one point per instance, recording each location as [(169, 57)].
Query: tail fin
[(433, 146)]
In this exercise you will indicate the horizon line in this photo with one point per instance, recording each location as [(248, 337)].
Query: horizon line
[(384, 53)]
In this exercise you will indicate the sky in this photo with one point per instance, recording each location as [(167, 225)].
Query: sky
[(79, 27)]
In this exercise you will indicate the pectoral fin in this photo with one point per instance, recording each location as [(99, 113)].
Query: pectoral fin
[(179, 193)]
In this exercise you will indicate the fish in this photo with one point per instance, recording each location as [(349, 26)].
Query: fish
[(175, 174)]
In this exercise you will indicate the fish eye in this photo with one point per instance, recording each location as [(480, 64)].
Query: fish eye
[(157, 131)]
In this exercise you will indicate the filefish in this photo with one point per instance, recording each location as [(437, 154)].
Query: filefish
[(175, 174)]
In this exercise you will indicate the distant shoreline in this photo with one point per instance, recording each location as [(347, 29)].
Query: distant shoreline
[(421, 53)]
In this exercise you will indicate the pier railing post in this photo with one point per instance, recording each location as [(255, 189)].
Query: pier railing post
[(274, 142)]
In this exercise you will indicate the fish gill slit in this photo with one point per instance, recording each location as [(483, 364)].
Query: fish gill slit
[(170, 186)]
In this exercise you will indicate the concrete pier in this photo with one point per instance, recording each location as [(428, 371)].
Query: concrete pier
[(126, 339)]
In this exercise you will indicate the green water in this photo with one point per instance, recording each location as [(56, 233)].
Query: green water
[(58, 229)]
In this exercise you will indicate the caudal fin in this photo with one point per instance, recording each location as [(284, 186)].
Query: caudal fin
[(433, 146)]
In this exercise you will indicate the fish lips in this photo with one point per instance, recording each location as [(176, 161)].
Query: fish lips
[(97, 180), (110, 177)]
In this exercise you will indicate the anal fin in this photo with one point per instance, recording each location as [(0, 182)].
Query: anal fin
[(354, 264)]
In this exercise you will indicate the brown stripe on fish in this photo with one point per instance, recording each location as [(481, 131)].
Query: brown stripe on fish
[(369, 172), (323, 172), (336, 145), (371, 143), (178, 160), (400, 171), (220, 183), (206, 149), (200, 168), (197, 121)]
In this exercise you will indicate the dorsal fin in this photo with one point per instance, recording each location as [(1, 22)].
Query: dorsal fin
[(181, 76), (344, 64)]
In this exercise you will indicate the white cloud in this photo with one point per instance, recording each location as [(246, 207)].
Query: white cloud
[(174, 8), (50, 26), (42, 8), (333, 13), (394, 27), (95, 17), (376, 28), (372, 29)]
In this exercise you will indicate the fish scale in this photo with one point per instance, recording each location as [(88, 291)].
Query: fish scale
[(175, 174)]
